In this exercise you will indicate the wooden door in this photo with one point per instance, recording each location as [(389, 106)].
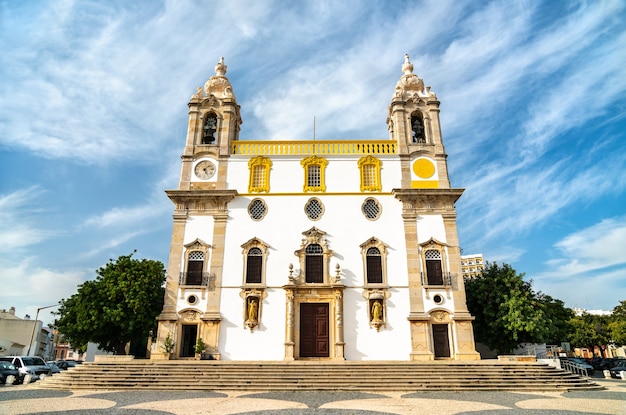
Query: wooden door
[(314, 333), (441, 340), (188, 343)]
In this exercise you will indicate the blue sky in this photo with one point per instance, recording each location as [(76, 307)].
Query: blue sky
[(93, 116)]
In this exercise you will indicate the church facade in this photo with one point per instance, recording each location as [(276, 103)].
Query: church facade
[(327, 250)]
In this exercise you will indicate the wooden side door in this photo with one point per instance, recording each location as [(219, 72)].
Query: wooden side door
[(441, 340), (314, 333), (189, 334)]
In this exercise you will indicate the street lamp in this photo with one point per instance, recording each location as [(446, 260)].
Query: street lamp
[(35, 325)]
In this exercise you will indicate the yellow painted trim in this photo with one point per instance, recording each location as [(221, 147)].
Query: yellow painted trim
[(271, 147), (425, 184), (325, 194)]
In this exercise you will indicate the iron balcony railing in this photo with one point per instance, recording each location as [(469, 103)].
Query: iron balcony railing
[(197, 279), (446, 281)]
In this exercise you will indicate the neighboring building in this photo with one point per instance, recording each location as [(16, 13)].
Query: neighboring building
[(472, 265), (580, 311), (19, 336), (336, 250)]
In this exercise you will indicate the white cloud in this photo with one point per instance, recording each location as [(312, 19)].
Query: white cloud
[(594, 249), (27, 286), (589, 270), (19, 225)]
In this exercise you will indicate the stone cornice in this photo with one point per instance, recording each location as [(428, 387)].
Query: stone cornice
[(209, 201), (427, 200)]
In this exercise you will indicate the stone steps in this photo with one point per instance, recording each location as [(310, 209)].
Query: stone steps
[(275, 376)]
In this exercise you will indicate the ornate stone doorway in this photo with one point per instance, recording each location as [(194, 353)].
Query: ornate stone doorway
[(188, 340), (441, 341), (314, 330)]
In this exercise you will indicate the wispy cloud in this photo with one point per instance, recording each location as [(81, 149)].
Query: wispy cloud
[(588, 266), (19, 223)]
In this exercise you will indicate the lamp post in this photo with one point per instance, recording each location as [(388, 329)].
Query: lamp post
[(35, 326)]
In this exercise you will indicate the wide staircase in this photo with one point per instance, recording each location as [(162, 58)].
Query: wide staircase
[(329, 376)]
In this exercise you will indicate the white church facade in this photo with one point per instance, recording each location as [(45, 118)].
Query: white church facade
[(318, 250)]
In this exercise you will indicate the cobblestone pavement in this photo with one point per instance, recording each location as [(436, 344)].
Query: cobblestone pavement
[(29, 399)]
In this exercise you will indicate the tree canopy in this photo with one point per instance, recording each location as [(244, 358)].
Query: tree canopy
[(509, 312), (119, 306)]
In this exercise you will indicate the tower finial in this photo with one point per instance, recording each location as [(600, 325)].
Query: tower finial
[(407, 67), (220, 68)]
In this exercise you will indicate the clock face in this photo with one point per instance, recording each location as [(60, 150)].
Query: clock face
[(205, 170)]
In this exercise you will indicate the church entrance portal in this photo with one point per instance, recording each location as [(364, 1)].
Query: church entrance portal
[(314, 330), (441, 341), (190, 333)]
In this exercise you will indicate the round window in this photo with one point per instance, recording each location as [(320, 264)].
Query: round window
[(257, 209), (371, 208), (192, 299), (438, 299), (314, 208)]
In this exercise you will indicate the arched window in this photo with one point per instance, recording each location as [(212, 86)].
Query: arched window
[(259, 174), (209, 128), (370, 174), (374, 265), (434, 271), (254, 262), (254, 266), (417, 129), (314, 264), (374, 254), (314, 172), (195, 268)]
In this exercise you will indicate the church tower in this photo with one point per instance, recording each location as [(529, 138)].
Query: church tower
[(315, 250), (413, 121)]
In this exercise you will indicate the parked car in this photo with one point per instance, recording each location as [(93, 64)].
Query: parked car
[(616, 371), (10, 374), (53, 367), (29, 365), (66, 364)]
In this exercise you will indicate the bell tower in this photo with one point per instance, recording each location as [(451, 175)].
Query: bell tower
[(434, 266), (413, 122), (214, 123), (191, 308)]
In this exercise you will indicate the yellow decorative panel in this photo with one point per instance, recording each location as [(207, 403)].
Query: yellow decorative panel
[(425, 184), (423, 168)]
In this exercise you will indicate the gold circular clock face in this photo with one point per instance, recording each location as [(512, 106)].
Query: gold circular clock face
[(204, 170)]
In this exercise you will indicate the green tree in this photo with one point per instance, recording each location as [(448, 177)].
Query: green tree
[(589, 330), (508, 312), (120, 305), (617, 324)]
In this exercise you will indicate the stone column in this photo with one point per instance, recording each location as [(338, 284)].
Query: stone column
[(289, 324), (339, 342)]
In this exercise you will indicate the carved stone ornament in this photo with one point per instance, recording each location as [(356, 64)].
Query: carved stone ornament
[(440, 316), (219, 85), (190, 315)]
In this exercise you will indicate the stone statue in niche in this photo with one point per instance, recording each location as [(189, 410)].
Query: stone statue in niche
[(376, 314), (252, 312), (377, 311)]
